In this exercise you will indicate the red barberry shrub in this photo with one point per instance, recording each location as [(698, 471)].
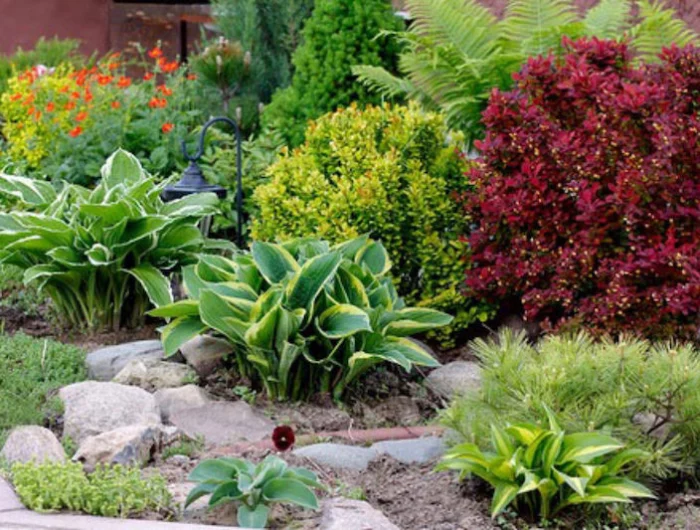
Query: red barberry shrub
[(588, 190)]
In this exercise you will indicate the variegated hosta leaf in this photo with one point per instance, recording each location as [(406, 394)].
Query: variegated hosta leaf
[(121, 168), (414, 320), (154, 282), (305, 285), (179, 331), (343, 320), (30, 191), (274, 262)]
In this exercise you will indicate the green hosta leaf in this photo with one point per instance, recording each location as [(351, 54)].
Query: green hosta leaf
[(349, 249), (216, 313), (262, 333), (51, 229), (181, 237), (578, 484), (68, 256), (192, 283), (617, 462), (216, 269), (181, 308), (226, 492), (411, 351), (343, 320), (266, 302), (597, 494), (500, 442), (550, 452), (30, 244), (195, 205), (138, 229), (503, 495), (200, 490), (353, 288), (533, 453), (154, 282), (524, 433), (121, 168), (99, 255), (50, 271), (274, 262), (30, 191), (375, 257), (217, 470), (414, 320), (626, 487), (551, 419), (303, 475), (302, 290), (179, 331), (290, 490), (584, 447), (109, 214), (253, 517)]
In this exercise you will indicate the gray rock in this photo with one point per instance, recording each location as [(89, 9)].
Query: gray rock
[(8, 498), (647, 421), (348, 514), (455, 378), (178, 460), (154, 374), (133, 445), (222, 423), (31, 442), (205, 354), (339, 456), (171, 400), (92, 408), (416, 451), (105, 363)]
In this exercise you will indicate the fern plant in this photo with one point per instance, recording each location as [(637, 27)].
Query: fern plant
[(456, 52)]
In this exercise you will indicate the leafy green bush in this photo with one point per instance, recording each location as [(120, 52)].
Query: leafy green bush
[(646, 395), (110, 491), (253, 487), (547, 470), (30, 371), (386, 171), (305, 317), (339, 34), (102, 255), (456, 51)]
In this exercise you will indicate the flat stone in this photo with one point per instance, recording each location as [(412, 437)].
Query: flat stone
[(455, 378), (105, 363), (92, 408), (347, 514), (133, 445), (171, 400), (205, 354), (32, 443), (8, 498), (339, 456), (154, 374), (416, 451), (223, 423)]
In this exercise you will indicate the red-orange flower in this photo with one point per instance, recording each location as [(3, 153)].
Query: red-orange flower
[(76, 132), (63, 89), (155, 53), (31, 110), (29, 100), (70, 105), (50, 107), (104, 79), (124, 82), (15, 97), (157, 103), (192, 77), (147, 76), (88, 95), (165, 90), (75, 95), (113, 66), (167, 127), (81, 116), (116, 104), (170, 67)]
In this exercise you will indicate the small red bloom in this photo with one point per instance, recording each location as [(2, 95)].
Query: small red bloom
[(157, 103), (167, 127), (81, 116), (50, 106), (116, 104), (15, 97), (191, 77), (148, 76), (70, 105), (155, 53), (170, 67), (283, 437), (165, 90), (104, 79), (75, 95), (124, 82), (113, 66), (76, 132)]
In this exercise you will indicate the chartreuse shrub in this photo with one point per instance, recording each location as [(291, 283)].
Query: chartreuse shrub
[(647, 395), (110, 491), (253, 487), (102, 255), (545, 470), (586, 199), (305, 317), (388, 172), (31, 370)]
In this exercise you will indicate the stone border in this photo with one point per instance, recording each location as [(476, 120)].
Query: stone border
[(14, 515)]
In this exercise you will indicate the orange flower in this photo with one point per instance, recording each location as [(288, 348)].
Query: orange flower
[(104, 79), (81, 116), (15, 97), (191, 77), (70, 105), (148, 76), (170, 67), (88, 95), (31, 110), (76, 132), (155, 53), (167, 127), (165, 90), (63, 89), (115, 55), (124, 82), (50, 107), (113, 66), (157, 103), (37, 116), (28, 100), (116, 104), (75, 95)]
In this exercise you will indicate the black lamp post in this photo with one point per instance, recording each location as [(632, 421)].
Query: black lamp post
[(193, 180)]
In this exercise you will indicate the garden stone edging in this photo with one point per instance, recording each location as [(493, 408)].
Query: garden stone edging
[(105, 363), (155, 374), (348, 514)]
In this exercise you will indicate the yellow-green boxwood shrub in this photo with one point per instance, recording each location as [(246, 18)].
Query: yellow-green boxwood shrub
[(389, 172)]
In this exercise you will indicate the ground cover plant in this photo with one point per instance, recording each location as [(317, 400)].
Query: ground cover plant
[(102, 255), (305, 317), (110, 491), (31, 370), (588, 194), (456, 52), (647, 395), (253, 487), (388, 172)]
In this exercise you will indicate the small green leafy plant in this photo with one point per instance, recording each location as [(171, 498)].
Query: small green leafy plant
[(304, 316), (253, 487), (102, 255), (547, 470), (113, 491)]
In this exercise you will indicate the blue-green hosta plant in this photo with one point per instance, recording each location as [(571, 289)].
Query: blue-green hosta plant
[(253, 487), (102, 255), (547, 470), (304, 317)]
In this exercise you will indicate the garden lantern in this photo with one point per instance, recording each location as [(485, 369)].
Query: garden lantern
[(193, 180)]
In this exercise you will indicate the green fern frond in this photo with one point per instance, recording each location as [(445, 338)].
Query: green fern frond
[(379, 80), (527, 19), (609, 19), (659, 28)]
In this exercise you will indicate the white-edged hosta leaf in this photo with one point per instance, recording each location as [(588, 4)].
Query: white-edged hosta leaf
[(30, 191), (414, 320), (305, 285), (195, 205), (99, 255), (375, 257), (217, 314), (585, 446), (578, 484), (154, 282), (179, 331), (412, 351), (261, 334), (121, 168), (343, 320), (274, 262), (626, 487), (349, 249)]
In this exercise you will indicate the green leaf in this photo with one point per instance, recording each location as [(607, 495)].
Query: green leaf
[(262, 333), (179, 331), (216, 313), (200, 490), (290, 490), (414, 320), (196, 205), (503, 495), (253, 518), (274, 261), (584, 447), (30, 191), (620, 460), (226, 492), (154, 282), (181, 308), (304, 287), (99, 255), (343, 320), (121, 168), (411, 351), (350, 248), (215, 470), (375, 257), (578, 484), (500, 442), (626, 487), (597, 494), (524, 433)]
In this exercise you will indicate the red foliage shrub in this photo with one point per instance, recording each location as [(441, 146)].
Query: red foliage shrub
[(587, 206)]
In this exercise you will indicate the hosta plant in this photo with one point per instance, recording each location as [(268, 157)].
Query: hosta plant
[(547, 470), (303, 316), (253, 487), (102, 255)]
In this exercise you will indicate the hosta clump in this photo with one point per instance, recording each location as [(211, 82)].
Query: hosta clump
[(547, 470), (253, 487), (102, 255), (304, 316)]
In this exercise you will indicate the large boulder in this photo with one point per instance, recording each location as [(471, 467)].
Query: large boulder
[(154, 374), (455, 378), (346, 514), (105, 363), (205, 354), (32, 443), (92, 408), (223, 423), (171, 400), (133, 445)]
